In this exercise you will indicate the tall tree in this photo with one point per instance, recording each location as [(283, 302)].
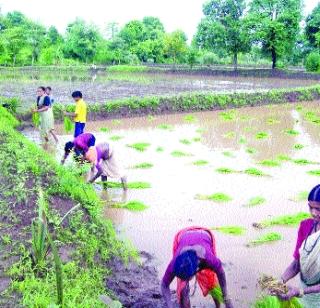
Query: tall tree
[(175, 45), (312, 28), (223, 28), (154, 27), (81, 41), (112, 30), (274, 24)]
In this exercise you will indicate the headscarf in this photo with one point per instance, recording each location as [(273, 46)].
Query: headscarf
[(186, 265)]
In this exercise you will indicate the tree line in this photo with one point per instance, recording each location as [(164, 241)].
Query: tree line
[(256, 32)]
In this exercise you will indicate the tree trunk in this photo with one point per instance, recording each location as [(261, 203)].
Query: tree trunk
[(274, 58), (235, 61)]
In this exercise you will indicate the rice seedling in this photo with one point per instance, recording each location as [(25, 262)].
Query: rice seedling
[(180, 154), (251, 150), (272, 121), (143, 166), (314, 172), (151, 118), (273, 302), (283, 157), (301, 196), (256, 201), (200, 163), (134, 206), (229, 135), (105, 129), (302, 161), (225, 170), (229, 115), (242, 140), (299, 107), (116, 122), (165, 126), (286, 220), (115, 138), (269, 163), (68, 124), (185, 141), (160, 149), (291, 132), (262, 135), (189, 118), (131, 185), (254, 172), (248, 129), (196, 139), (228, 154), (217, 197), (298, 146), (266, 238), (201, 130), (36, 119), (245, 118), (233, 230), (141, 146)]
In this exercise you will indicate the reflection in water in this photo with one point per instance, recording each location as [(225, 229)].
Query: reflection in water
[(176, 181)]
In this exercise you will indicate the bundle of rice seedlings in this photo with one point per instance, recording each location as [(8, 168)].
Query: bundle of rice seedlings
[(68, 124), (36, 119)]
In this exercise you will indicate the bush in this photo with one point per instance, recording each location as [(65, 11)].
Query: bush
[(313, 62)]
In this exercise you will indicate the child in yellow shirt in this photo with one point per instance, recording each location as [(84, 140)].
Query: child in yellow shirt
[(80, 114)]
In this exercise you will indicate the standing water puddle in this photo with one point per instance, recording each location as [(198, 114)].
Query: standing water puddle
[(224, 141)]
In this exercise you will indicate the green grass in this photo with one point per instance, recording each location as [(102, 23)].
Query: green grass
[(141, 146), (134, 206), (143, 166), (131, 185), (266, 238), (115, 138), (232, 230), (229, 135), (251, 150), (286, 220), (283, 157), (190, 118), (254, 172), (314, 172), (256, 201), (302, 196), (217, 197), (291, 132), (200, 162), (180, 154), (228, 154), (185, 141), (270, 163), (298, 146), (105, 129), (165, 126), (225, 170), (262, 135)]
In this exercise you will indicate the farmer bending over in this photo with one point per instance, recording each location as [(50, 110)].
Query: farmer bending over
[(104, 159), (306, 260), (194, 254), (80, 145)]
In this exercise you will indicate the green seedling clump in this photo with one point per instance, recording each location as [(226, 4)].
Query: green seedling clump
[(298, 146), (196, 139), (254, 172), (283, 157), (233, 230), (105, 129), (242, 140), (228, 154), (291, 132), (228, 115), (302, 161), (273, 302), (200, 163), (225, 170), (180, 154), (256, 201), (217, 197), (270, 163), (134, 206), (266, 238), (131, 185), (286, 220), (251, 150), (185, 141), (262, 135), (143, 166), (190, 118), (115, 138), (301, 196), (314, 172), (229, 135), (165, 126), (116, 122), (272, 121), (160, 149), (141, 147)]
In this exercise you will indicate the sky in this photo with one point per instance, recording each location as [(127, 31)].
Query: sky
[(175, 14)]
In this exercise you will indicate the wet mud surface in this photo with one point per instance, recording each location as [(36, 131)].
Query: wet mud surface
[(222, 140)]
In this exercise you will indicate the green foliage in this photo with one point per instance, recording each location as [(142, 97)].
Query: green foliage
[(286, 220), (175, 45), (270, 163), (134, 206), (312, 63), (68, 124), (266, 238), (200, 162), (232, 230), (274, 302), (312, 27), (256, 201), (217, 197), (140, 147), (180, 154), (143, 166), (131, 185)]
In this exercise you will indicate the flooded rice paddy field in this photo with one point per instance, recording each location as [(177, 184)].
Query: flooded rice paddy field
[(103, 87), (236, 140)]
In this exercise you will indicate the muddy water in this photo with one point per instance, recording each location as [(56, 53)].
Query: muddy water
[(176, 181)]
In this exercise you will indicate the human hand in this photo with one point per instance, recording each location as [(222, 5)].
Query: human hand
[(292, 292)]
